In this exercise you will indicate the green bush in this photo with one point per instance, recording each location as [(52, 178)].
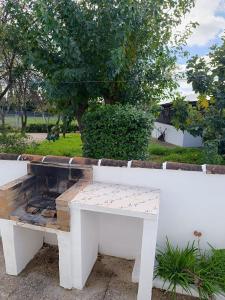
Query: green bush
[(116, 132), (13, 143), (175, 265), (43, 128), (5, 128), (192, 268), (211, 152), (38, 128)]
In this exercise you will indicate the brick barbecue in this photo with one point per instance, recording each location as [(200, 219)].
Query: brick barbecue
[(42, 197)]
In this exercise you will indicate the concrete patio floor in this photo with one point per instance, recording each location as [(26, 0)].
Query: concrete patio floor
[(109, 280)]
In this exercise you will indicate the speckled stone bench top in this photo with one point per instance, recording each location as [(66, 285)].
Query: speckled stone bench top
[(118, 199)]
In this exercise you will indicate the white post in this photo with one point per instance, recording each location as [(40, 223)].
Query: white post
[(19, 245), (147, 258), (65, 259)]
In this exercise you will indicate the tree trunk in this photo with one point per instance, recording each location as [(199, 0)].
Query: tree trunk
[(79, 114), (2, 114), (58, 120), (24, 121)]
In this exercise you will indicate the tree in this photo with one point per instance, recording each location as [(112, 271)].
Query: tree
[(12, 41), (207, 119), (7, 53), (99, 50), (26, 94), (12, 49), (5, 105)]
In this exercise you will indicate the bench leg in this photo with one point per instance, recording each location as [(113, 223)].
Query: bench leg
[(85, 240), (20, 245), (147, 259), (65, 259)]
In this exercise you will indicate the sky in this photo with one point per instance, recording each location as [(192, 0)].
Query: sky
[(210, 15)]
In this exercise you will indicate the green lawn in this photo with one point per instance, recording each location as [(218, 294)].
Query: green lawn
[(159, 152), (71, 146), (162, 152)]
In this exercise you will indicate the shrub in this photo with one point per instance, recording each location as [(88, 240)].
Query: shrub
[(44, 128), (208, 279), (13, 143), (5, 128), (116, 132), (211, 152), (190, 268), (38, 128), (175, 265)]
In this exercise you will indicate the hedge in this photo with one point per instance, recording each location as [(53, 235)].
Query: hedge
[(42, 128), (116, 132)]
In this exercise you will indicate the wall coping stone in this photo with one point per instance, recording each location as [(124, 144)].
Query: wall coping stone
[(215, 169), (113, 163), (31, 157), (183, 166), (145, 164), (57, 159), (209, 169), (84, 161), (9, 156)]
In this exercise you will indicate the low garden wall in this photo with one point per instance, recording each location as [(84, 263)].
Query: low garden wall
[(192, 199), (11, 169)]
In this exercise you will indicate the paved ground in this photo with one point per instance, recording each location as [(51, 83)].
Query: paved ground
[(37, 137), (110, 280)]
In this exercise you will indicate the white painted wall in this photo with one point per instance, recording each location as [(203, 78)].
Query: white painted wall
[(11, 170), (120, 236), (176, 137), (189, 201)]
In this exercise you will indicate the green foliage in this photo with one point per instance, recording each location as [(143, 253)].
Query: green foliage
[(13, 143), (176, 266), (207, 276), (207, 78), (211, 153), (116, 132), (186, 117), (161, 153), (199, 122), (72, 146), (180, 113), (44, 128), (192, 268), (116, 51), (5, 128), (218, 270), (38, 128)]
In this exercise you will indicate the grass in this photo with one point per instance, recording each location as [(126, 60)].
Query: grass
[(158, 152), (70, 146), (163, 152)]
